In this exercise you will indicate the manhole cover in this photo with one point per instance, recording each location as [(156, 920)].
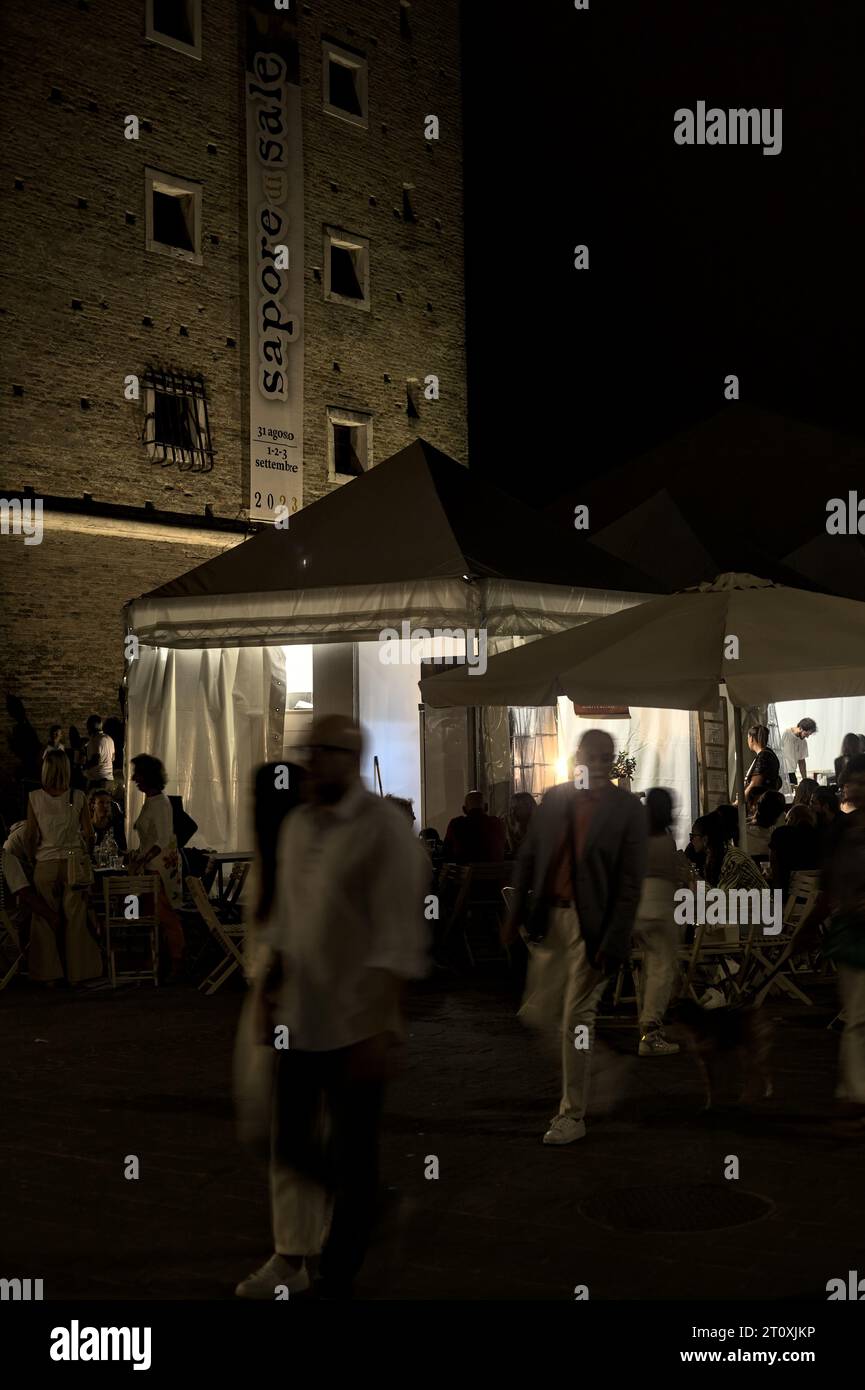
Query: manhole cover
[(683, 1208)]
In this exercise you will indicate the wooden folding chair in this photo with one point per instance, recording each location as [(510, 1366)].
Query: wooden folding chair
[(454, 884), (804, 888), (135, 935), (483, 908), (228, 936), (233, 890), (715, 953)]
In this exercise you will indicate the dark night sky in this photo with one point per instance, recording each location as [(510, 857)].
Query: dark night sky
[(704, 260)]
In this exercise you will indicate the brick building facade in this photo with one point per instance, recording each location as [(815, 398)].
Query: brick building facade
[(86, 305)]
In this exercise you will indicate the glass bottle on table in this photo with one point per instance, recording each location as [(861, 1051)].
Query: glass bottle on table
[(110, 851)]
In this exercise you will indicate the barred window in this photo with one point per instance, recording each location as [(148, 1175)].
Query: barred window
[(176, 425)]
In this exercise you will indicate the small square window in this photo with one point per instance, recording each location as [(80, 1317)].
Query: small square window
[(173, 216), (344, 78), (176, 425), (346, 268), (349, 444), (175, 24)]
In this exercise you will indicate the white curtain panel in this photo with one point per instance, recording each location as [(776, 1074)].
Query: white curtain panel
[(207, 715), (659, 740), (834, 719), (388, 699)]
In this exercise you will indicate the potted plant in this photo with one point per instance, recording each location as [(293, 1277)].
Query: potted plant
[(624, 769)]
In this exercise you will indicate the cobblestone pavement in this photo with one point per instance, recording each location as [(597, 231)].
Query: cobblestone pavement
[(88, 1080)]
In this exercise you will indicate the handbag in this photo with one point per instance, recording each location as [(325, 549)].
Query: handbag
[(79, 868), (79, 871), (184, 826)]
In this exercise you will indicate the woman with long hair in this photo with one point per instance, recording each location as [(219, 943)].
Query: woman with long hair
[(726, 866), (59, 826), (849, 749), (805, 790)]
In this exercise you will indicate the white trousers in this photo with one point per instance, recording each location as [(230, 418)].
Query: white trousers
[(851, 984), (300, 1211), (657, 938), (563, 991)]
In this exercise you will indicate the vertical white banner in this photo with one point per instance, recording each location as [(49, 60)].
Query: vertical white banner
[(274, 174)]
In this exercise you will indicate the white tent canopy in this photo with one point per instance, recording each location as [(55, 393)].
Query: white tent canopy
[(764, 641), (417, 539)]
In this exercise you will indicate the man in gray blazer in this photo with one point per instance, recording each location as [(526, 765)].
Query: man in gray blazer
[(577, 885)]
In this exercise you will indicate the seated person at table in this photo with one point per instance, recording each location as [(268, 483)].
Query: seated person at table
[(804, 791), (849, 749), (770, 810), (794, 846), (725, 865), (826, 809), (522, 808), (729, 818), (475, 837), (105, 816), (764, 774), (846, 795)]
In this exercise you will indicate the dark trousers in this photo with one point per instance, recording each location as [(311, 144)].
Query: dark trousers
[(346, 1162)]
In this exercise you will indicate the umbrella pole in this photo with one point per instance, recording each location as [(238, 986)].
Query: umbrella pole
[(740, 777)]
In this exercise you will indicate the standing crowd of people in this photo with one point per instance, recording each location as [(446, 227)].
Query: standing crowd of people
[(340, 931), (74, 819), (339, 928)]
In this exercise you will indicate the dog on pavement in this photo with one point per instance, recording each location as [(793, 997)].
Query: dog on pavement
[(732, 1047)]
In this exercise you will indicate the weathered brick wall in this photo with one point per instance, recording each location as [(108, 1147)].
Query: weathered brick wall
[(422, 262), (62, 150), (73, 73), (100, 67), (61, 627)]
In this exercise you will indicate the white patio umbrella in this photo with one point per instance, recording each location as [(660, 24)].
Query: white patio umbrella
[(764, 641)]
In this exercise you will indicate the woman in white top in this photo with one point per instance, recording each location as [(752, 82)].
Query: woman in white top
[(60, 826), (157, 851), (655, 931)]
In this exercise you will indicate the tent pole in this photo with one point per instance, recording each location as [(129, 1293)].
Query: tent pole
[(740, 777)]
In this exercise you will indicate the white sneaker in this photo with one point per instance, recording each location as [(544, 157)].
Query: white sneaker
[(263, 1283), (656, 1045), (564, 1130)]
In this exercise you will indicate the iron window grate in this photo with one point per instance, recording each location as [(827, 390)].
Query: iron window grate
[(176, 423)]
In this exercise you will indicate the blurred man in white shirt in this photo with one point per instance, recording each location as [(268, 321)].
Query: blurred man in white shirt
[(794, 749), (347, 930), (98, 757)]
